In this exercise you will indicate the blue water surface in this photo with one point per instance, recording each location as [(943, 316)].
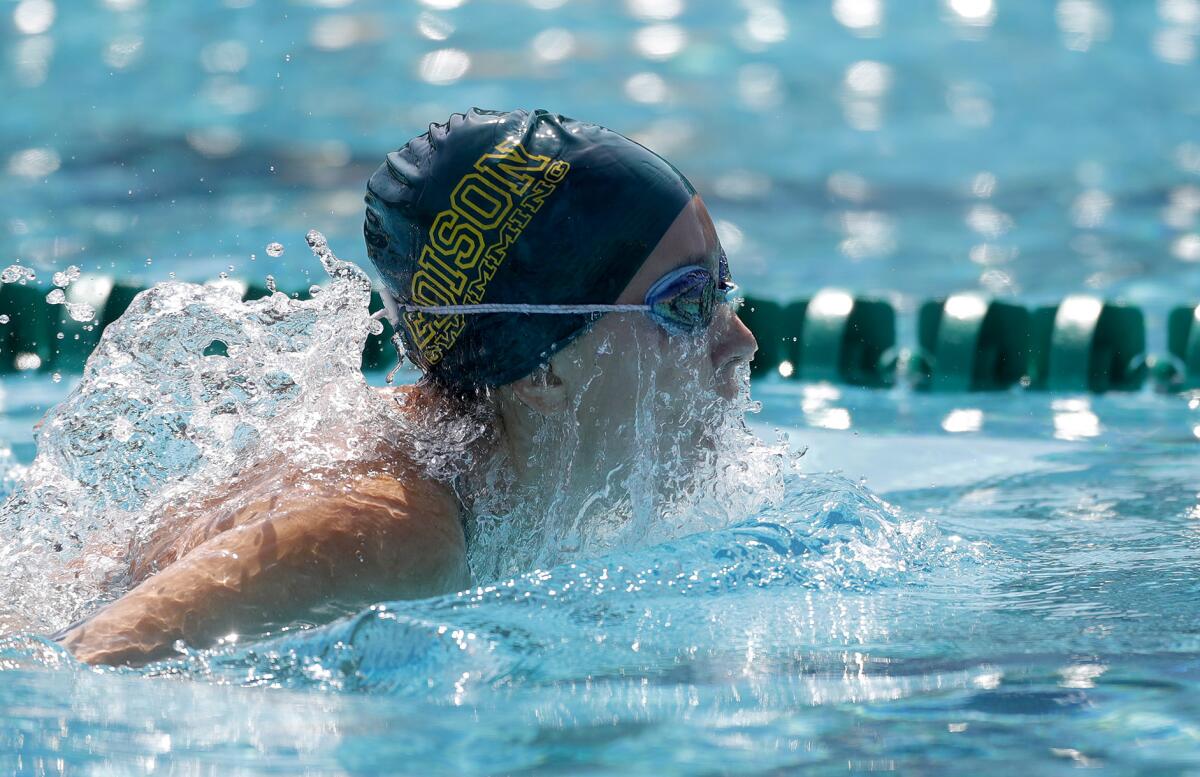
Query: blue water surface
[(1025, 594), (1022, 592)]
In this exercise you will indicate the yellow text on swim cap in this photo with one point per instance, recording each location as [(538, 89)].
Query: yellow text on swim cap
[(489, 209)]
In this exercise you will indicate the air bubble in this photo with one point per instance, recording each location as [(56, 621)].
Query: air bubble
[(56, 297), (60, 335), (314, 290), (376, 326), (274, 249), (271, 284), (56, 377), (4, 319)]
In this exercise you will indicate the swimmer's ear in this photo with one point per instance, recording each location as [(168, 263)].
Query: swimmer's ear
[(541, 391)]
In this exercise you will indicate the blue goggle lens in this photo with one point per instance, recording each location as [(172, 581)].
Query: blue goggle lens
[(685, 299)]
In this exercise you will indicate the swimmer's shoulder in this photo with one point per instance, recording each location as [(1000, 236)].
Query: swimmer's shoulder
[(317, 554), (376, 519), (402, 529)]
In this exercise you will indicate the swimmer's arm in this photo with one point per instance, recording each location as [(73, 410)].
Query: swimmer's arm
[(311, 558)]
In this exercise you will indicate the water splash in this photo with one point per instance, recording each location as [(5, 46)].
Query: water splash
[(156, 418), (637, 611), (65, 278), (80, 311)]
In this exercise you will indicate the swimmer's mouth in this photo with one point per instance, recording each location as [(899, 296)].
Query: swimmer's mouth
[(726, 377)]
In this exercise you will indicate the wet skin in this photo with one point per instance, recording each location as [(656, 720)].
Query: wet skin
[(279, 546)]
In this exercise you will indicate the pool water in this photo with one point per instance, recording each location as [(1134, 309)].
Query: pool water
[(1026, 593), (956, 584)]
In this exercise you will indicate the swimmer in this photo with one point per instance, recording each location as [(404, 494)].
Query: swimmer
[(537, 270)]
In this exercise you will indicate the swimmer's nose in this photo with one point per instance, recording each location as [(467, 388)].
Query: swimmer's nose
[(732, 344)]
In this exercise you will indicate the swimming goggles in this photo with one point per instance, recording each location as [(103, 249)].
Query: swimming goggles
[(683, 301)]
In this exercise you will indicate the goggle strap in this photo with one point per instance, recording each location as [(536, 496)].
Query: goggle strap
[(392, 308), (516, 307)]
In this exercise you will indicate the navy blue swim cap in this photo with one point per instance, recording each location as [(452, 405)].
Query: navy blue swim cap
[(514, 207)]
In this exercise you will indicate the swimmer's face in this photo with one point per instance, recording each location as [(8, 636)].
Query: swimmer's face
[(628, 379), (725, 346)]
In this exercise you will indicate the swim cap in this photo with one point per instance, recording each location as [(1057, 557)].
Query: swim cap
[(515, 207)]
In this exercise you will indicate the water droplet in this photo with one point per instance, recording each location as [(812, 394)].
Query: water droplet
[(66, 277), (80, 311), (56, 377), (398, 344), (4, 319), (56, 297), (274, 249), (271, 284), (27, 361)]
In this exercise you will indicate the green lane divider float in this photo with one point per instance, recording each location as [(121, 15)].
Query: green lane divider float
[(969, 342), (1086, 344), (831, 336), (1183, 345), (26, 337), (965, 342)]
